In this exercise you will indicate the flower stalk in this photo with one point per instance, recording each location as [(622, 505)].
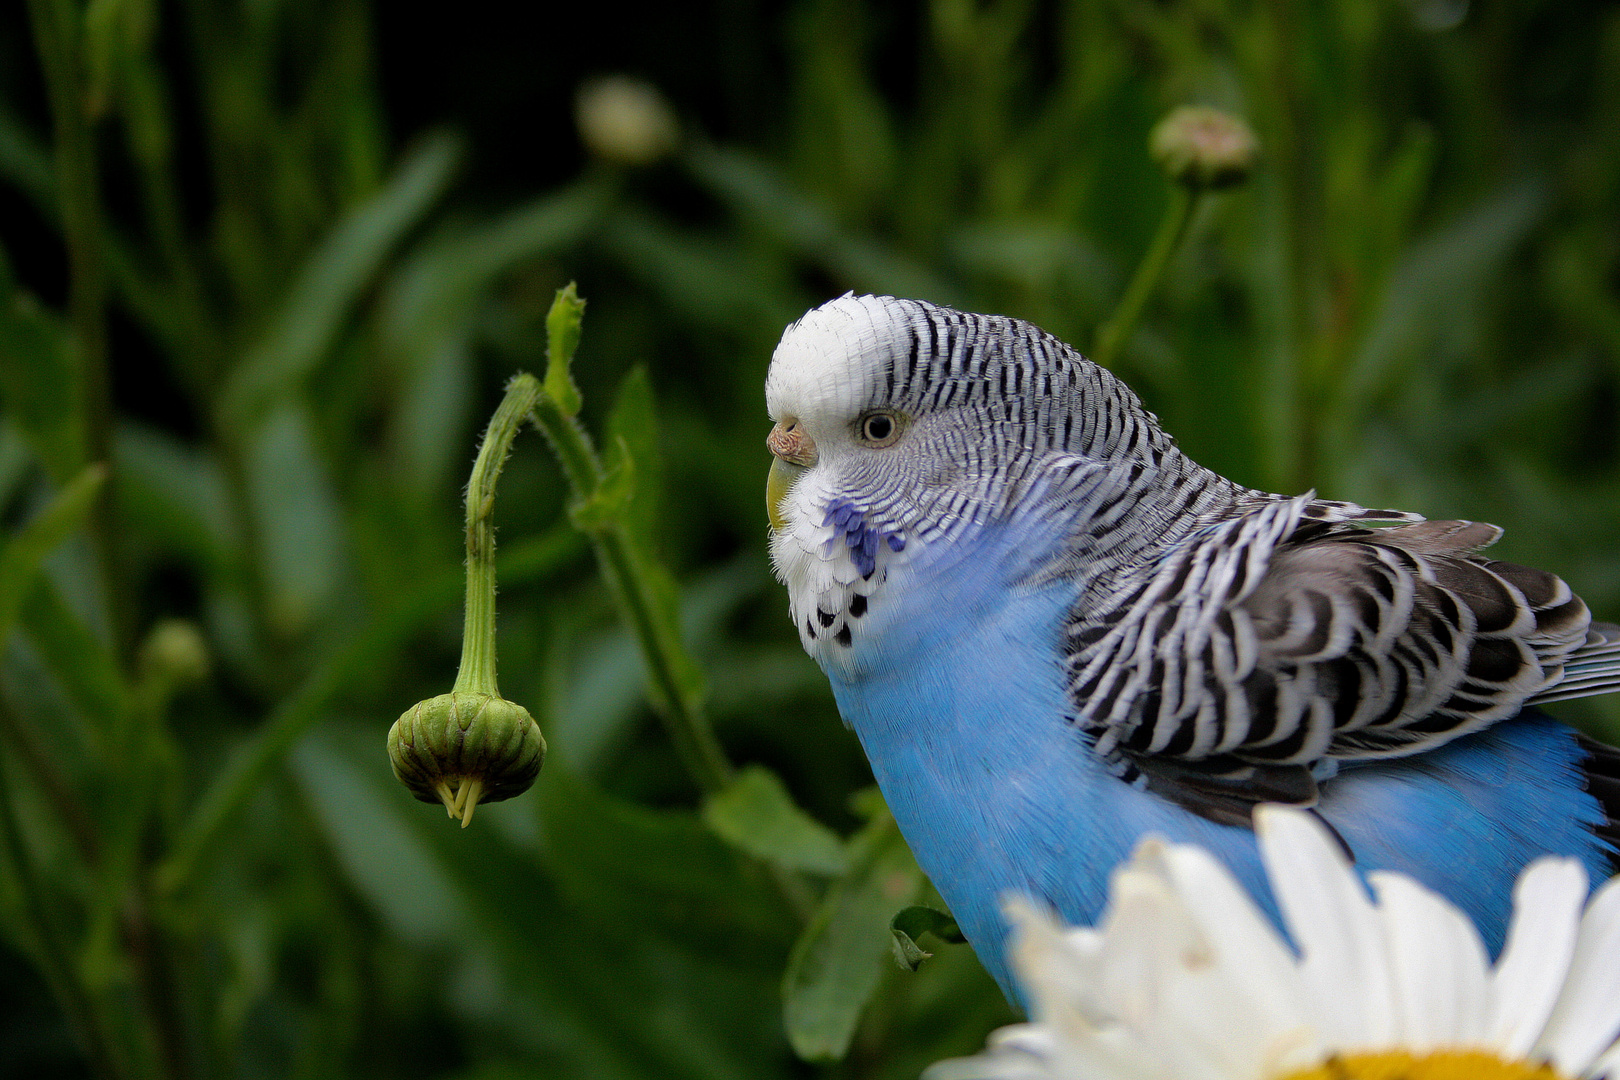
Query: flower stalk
[(1199, 149), (472, 745)]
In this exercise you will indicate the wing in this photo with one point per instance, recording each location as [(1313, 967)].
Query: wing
[(1274, 645)]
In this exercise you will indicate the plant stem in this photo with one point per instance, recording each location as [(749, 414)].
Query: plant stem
[(477, 672), (673, 676), (58, 40), (1117, 330), (55, 959)]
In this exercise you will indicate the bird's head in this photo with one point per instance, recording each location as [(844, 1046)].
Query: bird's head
[(900, 426)]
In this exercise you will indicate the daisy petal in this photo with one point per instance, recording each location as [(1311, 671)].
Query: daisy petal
[(1248, 955), (1342, 963), (1540, 941), (1608, 1066), (1439, 966), (1587, 1017)]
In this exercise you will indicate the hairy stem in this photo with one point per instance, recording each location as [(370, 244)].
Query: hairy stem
[(477, 673)]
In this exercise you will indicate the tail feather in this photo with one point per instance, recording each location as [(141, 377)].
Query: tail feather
[(1602, 770), (1593, 668)]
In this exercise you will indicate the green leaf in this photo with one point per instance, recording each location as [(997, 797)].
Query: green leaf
[(836, 964), (177, 493), (562, 339), (21, 558), (632, 425), (1437, 288), (755, 814), (608, 503), (316, 306), (79, 659), (656, 870), (911, 924), (40, 381), (26, 163), (298, 515), (770, 202)]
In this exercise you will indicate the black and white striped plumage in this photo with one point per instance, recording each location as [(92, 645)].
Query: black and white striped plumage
[(1226, 646)]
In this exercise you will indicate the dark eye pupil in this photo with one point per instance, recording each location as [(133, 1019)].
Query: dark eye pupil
[(878, 428)]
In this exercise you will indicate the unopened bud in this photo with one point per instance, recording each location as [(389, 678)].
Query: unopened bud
[(625, 120), (175, 654), (464, 749), (1203, 147)]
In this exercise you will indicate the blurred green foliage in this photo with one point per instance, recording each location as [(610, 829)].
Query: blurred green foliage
[(279, 325)]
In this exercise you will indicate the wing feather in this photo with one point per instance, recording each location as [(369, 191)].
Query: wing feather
[(1303, 633)]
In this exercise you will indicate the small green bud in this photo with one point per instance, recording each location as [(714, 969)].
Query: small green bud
[(463, 749), (175, 654), (1202, 147), (626, 120)]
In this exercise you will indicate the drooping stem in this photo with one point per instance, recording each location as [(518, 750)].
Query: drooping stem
[(477, 673), (1117, 330)]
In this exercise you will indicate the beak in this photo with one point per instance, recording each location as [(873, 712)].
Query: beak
[(795, 452)]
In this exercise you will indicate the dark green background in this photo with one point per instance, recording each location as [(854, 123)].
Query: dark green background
[(328, 232)]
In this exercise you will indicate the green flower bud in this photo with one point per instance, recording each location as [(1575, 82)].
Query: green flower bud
[(626, 121), (1202, 147), (175, 654), (465, 748)]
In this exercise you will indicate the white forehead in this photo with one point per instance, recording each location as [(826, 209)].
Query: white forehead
[(828, 364)]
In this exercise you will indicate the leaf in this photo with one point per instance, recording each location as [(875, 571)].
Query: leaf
[(21, 558), (911, 924), (40, 381), (316, 306), (836, 964), (177, 492), (26, 163), (659, 870), (633, 426), (755, 814), (81, 662), (298, 515), (767, 200), (608, 503), (1437, 287)]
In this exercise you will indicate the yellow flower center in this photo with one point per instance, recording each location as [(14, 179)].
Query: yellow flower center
[(1439, 1065)]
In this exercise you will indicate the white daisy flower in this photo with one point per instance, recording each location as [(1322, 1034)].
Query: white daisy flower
[(1186, 979)]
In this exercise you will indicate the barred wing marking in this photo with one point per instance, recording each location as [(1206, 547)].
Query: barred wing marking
[(1293, 634)]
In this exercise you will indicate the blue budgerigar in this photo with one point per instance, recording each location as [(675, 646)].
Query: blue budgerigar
[(1054, 634)]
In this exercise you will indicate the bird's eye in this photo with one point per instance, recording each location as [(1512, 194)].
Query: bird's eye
[(878, 429)]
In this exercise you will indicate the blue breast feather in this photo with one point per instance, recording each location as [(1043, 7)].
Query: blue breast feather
[(959, 703)]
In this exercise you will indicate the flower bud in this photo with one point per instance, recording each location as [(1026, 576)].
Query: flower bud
[(463, 749), (175, 654), (625, 121), (1202, 147)]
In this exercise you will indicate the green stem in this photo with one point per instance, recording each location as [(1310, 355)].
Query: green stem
[(669, 670), (56, 960), (57, 39), (477, 673), (1117, 330)]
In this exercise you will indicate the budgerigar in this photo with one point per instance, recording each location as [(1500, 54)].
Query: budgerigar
[(1055, 634)]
